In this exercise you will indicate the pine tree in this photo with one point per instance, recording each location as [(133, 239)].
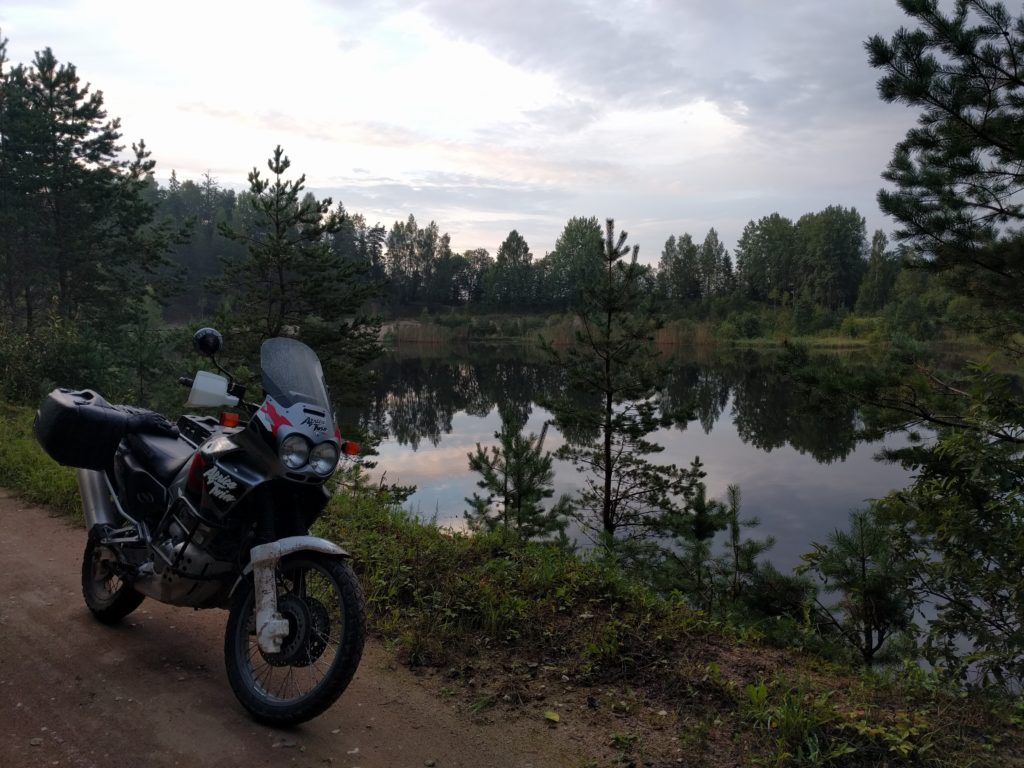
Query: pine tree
[(517, 476), (953, 190), (610, 407), (954, 178), (689, 530), (79, 236), (290, 281), (863, 565), (741, 553)]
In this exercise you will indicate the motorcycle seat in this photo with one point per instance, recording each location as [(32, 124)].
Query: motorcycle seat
[(163, 456)]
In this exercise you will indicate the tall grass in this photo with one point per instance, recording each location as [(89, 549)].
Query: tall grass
[(25, 467)]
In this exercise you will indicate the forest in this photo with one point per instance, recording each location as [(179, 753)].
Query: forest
[(148, 252), (104, 272), (784, 277)]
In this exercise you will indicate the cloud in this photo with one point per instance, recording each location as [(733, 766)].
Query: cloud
[(570, 115), (791, 65), (670, 115)]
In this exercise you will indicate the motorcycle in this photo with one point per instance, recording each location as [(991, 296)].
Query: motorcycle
[(215, 513)]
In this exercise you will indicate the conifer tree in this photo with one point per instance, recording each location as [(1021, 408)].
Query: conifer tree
[(517, 476), (954, 184), (611, 404), (955, 177), (689, 530), (865, 567), (290, 280), (79, 237), (741, 554)]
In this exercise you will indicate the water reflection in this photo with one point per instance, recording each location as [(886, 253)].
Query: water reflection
[(415, 399), (799, 462)]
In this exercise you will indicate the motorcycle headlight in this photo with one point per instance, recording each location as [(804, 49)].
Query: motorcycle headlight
[(294, 451), (324, 458)]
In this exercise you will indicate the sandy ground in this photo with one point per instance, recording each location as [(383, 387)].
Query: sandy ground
[(153, 691)]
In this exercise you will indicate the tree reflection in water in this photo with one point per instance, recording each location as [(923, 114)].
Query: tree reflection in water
[(415, 399), (748, 421)]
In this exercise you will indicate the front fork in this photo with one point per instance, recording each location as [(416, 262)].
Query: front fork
[(271, 627)]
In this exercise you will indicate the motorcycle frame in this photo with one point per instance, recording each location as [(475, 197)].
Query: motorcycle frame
[(254, 467)]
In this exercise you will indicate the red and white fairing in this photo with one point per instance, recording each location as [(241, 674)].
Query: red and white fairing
[(305, 419)]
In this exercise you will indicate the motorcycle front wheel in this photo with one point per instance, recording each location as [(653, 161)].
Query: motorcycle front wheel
[(323, 603)]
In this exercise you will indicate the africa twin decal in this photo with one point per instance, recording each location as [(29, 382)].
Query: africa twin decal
[(219, 485), (317, 424)]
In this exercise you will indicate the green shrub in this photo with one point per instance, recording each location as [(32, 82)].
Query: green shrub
[(860, 327)]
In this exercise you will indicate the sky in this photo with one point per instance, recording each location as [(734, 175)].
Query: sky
[(669, 116)]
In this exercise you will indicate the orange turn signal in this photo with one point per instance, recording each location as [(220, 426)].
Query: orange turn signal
[(349, 448), (229, 419)]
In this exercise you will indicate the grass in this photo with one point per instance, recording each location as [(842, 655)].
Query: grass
[(507, 625), (445, 329), (442, 596), (26, 468)]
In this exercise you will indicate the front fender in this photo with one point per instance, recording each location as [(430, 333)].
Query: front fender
[(272, 552)]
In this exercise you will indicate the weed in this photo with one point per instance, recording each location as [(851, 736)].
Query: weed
[(799, 723), (485, 702), (624, 742)]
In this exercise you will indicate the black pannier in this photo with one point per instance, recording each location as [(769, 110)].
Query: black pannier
[(78, 428)]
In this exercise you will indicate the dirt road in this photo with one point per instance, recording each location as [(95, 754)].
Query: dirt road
[(153, 691)]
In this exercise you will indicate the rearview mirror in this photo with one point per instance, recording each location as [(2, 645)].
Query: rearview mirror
[(208, 341)]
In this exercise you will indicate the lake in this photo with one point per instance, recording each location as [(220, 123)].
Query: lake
[(800, 470)]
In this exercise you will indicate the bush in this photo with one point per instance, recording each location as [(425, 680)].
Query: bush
[(860, 327), (56, 354), (749, 325)]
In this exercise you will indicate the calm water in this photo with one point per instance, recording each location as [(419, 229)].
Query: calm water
[(800, 470)]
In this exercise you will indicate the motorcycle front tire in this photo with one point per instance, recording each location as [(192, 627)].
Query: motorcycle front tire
[(321, 598)]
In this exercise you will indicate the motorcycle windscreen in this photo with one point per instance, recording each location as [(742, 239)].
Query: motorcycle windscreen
[(291, 374)]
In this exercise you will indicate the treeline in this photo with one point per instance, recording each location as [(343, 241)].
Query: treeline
[(88, 236), (784, 277)]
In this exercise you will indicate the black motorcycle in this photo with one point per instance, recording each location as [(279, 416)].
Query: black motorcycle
[(214, 513)]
